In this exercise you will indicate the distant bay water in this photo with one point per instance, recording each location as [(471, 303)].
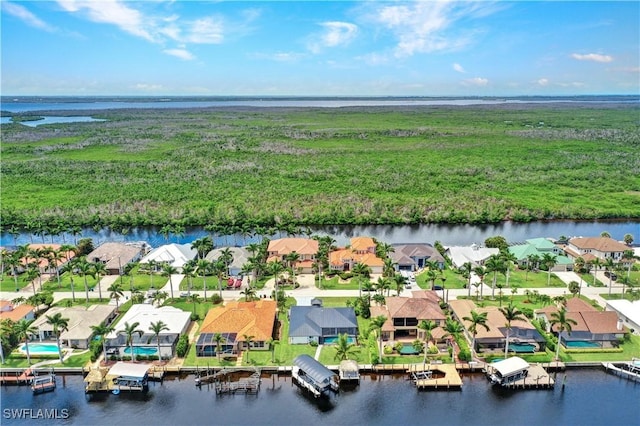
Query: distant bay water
[(16, 104), (590, 397)]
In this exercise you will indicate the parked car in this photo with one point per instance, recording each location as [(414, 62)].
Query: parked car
[(611, 275)]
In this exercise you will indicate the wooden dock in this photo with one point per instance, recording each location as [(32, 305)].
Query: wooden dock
[(44, 384), (435, 376), (23, 378), (349, 372)]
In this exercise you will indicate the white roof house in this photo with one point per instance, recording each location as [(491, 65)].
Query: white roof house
[(474, 254), (175, 255), (628, 312), (176, 320)]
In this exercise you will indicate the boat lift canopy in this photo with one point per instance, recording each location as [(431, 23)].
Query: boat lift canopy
[(312, 368)]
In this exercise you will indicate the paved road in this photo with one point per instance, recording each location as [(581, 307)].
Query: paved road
[(308, 289)]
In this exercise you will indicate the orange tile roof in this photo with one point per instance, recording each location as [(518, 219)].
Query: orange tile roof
[(42, 262), (17, 313), (302, 246), (362, 243), (255, 319), (344, 255), (603, 244)]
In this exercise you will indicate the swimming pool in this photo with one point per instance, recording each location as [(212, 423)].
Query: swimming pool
[(40, 348), (408, 350), (522, 347), (141, 350), (580, 344), (332, 340)]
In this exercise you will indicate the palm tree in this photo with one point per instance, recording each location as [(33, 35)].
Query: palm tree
[(360, 270), (189, 271), (84, 268), (100, 270), (562, 323), (159, 297), (427, 327), (399, 281), (481, 272), (249, 293), (495, 265), (376, 324), (248, 340), (574, 287), (453, 329), (549, 260), (23, 330), (226, 256), (219, 269), (343, 348), (204, 268), (218, 339), (195, 299), (292, 259), (33, 272), (511, 313), (272, 345), (168, 271), (115, 292), (59, 324), (596, 263), (609, 266), (203, 246), (102, 330), (275, 267), (128, 271), (508, 260), (476, 319), (465, 270), (129, 330), (156, 328)]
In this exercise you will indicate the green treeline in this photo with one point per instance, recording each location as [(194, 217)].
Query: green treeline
[(273, 167)]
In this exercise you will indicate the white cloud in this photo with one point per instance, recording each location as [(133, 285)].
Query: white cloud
[(457, 67), (595, 57), (374, 58), (542, 82), (335, 34), (205, 31), (279, 56), (476, 81), (180, 53), (145, 87), (426, 26), (25, 15)]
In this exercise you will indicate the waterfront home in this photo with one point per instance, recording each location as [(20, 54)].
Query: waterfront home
[(242, 325), (16, 313), (361, 250), (80, 319), (593, 328), (405, 313), (539, 247), (42, 262), (474, 254), (176, 320), (414, 256), (628, 312), (116, 255), (321, 325), (314, 376), (175, 255), (602, 248), (240, 257), (306, 248), (523, 336), (507, 371)]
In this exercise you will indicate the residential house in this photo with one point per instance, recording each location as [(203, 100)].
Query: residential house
[(80, 320), (321, 325), (414, 256), (42, 262), (628, 312), (593, 328), (523, 336), (240, 257), (405, 313), (602, 248), (175, 255), (16, 313), (473, 254), (306, 248), (116, 255), (539, 247), (236, 322), (176, 320), (361, 250)]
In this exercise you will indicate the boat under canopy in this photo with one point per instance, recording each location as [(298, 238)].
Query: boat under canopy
[(313, 375)]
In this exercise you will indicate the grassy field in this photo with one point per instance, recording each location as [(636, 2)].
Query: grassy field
[(274, 167)]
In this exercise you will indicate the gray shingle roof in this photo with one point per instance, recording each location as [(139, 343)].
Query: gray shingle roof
[(310, 320)]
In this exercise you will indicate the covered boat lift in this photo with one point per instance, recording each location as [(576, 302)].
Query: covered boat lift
[(313, 376), (507, 371)]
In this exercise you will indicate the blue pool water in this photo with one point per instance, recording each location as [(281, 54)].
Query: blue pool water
[(332, 340), (522, 347), (141, 350), (408, 350), (580, 344), (41, 348)]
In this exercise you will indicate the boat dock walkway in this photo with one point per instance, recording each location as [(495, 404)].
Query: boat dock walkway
[(536, 378), (435, 376), (627, 370)]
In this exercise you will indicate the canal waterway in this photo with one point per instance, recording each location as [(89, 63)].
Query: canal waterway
[(590, 397), (462, 234)]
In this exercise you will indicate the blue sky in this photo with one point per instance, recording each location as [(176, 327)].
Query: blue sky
[(339, 48)]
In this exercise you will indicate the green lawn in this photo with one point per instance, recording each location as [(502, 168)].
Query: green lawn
[(198, 284), (8, 284)]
